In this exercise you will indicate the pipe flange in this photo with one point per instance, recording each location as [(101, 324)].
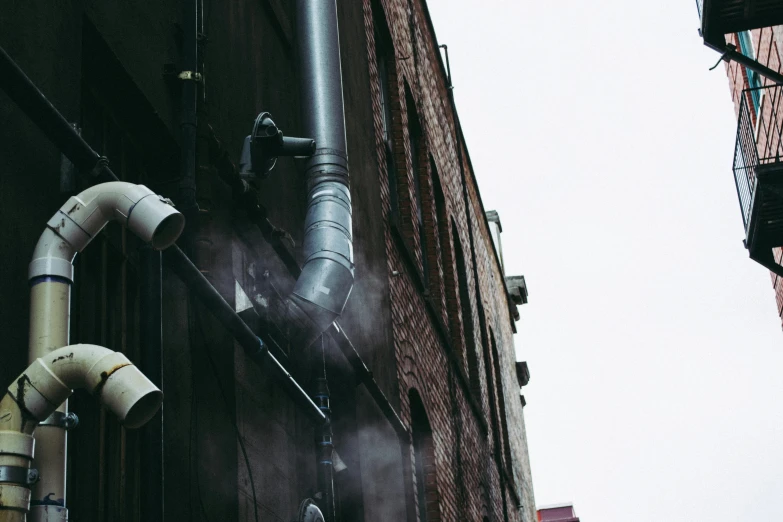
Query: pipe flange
[(61, 419), (18, 475)]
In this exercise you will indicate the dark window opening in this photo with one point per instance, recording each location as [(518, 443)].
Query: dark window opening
[(501, 406), (387, 75), (424, 454), (418, 155), (467, 317)]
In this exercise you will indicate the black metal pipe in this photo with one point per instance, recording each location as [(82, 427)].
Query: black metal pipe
[(731, 53), (27, 96), (151, 363), (254, 347), (324, 451), (189, 77)]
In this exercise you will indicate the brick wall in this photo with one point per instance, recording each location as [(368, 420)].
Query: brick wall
[(428, 321)]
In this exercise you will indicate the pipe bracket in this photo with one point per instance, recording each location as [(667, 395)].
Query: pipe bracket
[(61, 419), (18, 475)]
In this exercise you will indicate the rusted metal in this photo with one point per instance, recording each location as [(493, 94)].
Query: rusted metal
[(105, 377)]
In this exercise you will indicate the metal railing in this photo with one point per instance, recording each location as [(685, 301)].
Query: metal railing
[(759, 131)]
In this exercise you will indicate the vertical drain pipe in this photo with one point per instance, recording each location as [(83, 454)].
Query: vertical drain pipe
[(324, 450), (325, 283), (189, 77)]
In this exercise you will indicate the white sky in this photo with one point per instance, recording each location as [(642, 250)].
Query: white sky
[(653, 341)]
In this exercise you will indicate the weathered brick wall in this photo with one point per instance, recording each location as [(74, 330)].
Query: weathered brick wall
[(767, 43), (428, 326)]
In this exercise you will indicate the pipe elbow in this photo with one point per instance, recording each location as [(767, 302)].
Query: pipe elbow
[(109, 375), (148, 215)]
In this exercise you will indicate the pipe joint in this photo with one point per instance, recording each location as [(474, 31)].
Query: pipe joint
[(148, 215), (109, 375)]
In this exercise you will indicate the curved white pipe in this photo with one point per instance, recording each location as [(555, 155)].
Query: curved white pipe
[(108, 375), (38, 392), (149, 216)]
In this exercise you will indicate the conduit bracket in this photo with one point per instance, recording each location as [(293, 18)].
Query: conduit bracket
[(62, 420), (191, 76), (18, 475)]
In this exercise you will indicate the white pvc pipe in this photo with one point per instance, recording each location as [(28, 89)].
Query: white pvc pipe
[(70, 230), (42, 388), (108, 375)]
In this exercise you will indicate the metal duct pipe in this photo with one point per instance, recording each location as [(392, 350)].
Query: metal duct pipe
[(322, 289)]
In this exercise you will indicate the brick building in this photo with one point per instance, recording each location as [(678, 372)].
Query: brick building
[(426, 411), (749, 36)]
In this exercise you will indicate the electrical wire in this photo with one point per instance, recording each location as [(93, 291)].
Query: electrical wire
[(193, 431)]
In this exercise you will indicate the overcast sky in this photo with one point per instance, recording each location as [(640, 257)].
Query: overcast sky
[(654, 345)]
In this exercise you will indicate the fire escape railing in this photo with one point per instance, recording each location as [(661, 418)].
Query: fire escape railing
[(759, 132)]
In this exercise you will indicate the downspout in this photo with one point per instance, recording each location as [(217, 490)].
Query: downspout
[(37, 394), (68, 232), (325, 283)]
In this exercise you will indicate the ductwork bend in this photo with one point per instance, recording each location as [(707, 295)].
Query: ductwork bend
[(325, 284), (151, 217), (39, 391)]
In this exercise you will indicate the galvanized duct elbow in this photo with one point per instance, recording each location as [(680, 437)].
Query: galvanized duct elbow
[(322, 289)]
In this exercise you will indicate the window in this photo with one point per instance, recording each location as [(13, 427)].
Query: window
[(442, 239), (467, 317), (424, 455), (754, 80), (387, 77), (418, 154), (501, 402)]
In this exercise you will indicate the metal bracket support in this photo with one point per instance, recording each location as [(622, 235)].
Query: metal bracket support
[(191, 76), (18, 475), (62, 420)]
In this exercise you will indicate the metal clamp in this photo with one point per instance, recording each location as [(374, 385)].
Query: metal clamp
[(191, 75), (18, 475), (62, 420)]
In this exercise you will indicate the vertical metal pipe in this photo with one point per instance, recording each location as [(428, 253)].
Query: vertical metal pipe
[(324, 450), (150, 362), (325, 283), (189, 77)]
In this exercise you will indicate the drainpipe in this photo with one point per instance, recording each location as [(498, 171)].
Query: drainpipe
[(324, 451), (322, 289), (38, 393), (189, 77), (68, 232)]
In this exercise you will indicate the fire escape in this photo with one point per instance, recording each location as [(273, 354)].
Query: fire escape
[(758, 173), (758, 170)]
